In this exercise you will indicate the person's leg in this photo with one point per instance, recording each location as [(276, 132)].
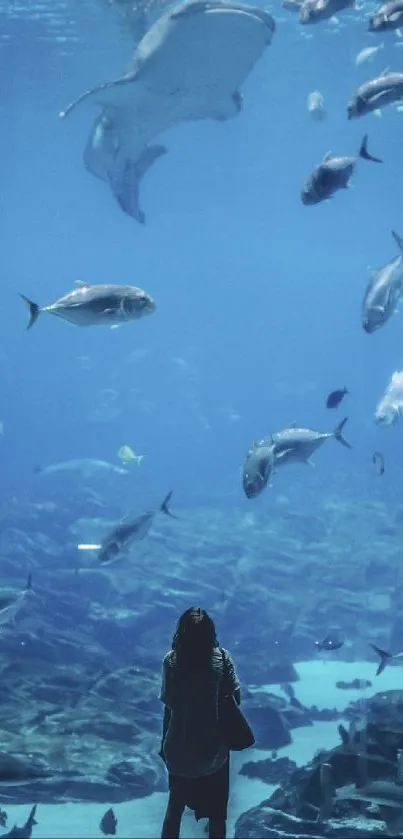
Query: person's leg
[(217, 829), (173, 816)]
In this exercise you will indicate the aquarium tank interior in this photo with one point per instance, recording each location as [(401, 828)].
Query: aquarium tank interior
[(201, 355)]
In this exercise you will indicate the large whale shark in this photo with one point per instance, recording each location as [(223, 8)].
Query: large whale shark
[(188, 66)]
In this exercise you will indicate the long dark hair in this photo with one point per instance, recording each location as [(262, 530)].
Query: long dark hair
[(195, 638)]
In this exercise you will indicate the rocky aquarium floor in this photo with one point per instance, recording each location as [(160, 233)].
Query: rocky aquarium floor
[(143, 817)]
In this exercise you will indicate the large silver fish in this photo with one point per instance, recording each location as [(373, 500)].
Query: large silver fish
[(297, 445), (258, 466), (375, 94), (97, 305), (332, 174), (119, 541), (188, 66), (383, 291), (388, 16)]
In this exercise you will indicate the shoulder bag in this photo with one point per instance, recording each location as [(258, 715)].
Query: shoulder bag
[(235, 729)]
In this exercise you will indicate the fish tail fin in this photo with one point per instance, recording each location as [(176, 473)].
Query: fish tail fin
[(398, 239), (364, 153), (384, 657), (31, 818), (34, 310), (165, 508), (139, 459), (339, 435)]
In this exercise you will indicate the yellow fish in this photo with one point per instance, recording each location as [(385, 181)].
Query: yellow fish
[(127, 456)]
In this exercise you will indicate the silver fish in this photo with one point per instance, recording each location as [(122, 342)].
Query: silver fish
[(313, 11), (388, 16), (97, 305), (87, 467), (332, 174), (121, 538), (316, 106), (297, 445), (258, 467), (366, 54), (383, 292), (11, 601), (372, 95)]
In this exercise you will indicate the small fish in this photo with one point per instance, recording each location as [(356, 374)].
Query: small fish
[(335, 397), (316, 106), (366, 54), (333, 174), (96, 305), (373, 95), (24, 832), (127, 456), (108, 823), (330, 643), (11, 601), (120, 539), (388, 16), (87, 467), (258, 467), (383, 291), (379, 463), (384, 658)]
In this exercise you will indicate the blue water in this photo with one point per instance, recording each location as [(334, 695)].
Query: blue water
[(258, 297)]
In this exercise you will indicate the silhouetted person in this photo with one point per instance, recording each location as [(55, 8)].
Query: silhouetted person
[(194, 678)]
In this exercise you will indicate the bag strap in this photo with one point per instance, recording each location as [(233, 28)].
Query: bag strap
[(224, 667)]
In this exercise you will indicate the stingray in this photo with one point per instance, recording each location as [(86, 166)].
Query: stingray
[(188, 66)]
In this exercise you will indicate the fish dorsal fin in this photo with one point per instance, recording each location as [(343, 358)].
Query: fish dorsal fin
[(82, 284), (384, 73), (398, 239), (327, 157), (293, 424)]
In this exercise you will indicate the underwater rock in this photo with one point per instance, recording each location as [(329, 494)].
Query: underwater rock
[(270, 771), (360, 793), (268, 723), (265, 823), (138, 780)]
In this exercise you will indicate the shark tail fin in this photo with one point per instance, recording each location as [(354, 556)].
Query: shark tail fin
[(34, 310), (364, 153), (125, 181), (338, 433), (384, 657), (165, 508)]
